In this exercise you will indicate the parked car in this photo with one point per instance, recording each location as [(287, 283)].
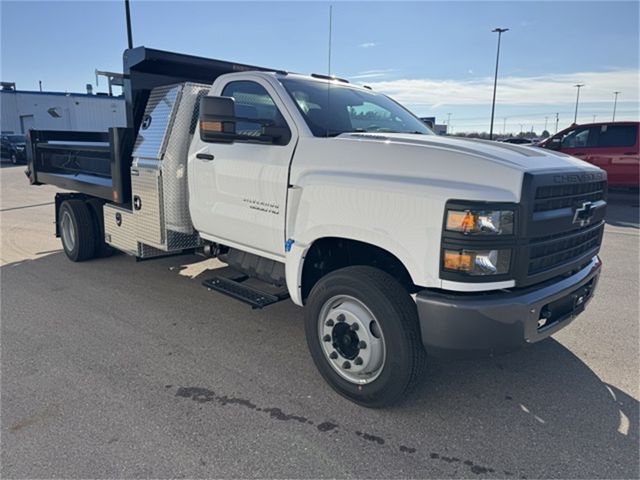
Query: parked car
[(13, 146), (612, 146), (518, 141)]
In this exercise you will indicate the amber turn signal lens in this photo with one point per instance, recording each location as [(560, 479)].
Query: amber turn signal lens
[(461, 221), (457, 261), (211, 126)]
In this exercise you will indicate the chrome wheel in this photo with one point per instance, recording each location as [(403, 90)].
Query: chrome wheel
[(68, 230), (14, 159), (351, 339)]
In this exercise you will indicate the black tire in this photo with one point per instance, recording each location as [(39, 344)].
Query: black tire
[(83, 246), (102, 249), (394, 310)]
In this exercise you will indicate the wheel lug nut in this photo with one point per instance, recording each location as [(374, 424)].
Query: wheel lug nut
[(355, 327), (329, 323), (358, 361), (362, 344), (346, 365), (341, 317), (333, 355), (327, 338)]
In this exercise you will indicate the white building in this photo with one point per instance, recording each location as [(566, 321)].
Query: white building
[(25, 110)]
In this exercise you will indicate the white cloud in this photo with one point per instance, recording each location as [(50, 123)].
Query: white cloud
[(371, 74), (368, 45), (367, 75), (550, 89)]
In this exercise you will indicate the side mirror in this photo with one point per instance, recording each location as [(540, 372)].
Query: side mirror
[(218, 123), (217, 119)]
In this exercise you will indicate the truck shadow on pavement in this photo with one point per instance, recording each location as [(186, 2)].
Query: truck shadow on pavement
[(541, 404), (539, 412)]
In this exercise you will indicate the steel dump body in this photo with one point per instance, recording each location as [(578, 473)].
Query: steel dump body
[(99, 163)]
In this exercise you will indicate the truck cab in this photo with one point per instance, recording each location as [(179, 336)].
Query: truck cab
[(398, 243)]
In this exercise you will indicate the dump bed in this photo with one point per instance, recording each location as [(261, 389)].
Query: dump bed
[(98, 163)]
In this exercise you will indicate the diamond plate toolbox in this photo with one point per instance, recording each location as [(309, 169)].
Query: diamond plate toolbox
[(159, 167)]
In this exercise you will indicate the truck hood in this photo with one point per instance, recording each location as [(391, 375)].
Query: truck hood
[(519, 157), (426, 165)]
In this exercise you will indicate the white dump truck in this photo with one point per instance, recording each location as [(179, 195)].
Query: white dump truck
[(398, 243)]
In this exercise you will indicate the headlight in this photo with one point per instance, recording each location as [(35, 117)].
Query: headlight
[(477, 262), (480, 222)]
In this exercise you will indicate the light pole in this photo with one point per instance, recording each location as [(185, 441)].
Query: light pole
[(448, 122), (578, 86), (499, 31), (128, 19), (546, 119), (557, 120), (615, 104)]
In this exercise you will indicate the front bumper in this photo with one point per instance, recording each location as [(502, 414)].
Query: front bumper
[(481, 323)]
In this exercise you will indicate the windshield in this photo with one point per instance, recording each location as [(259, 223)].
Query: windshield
[(16, 138), (330, 111)]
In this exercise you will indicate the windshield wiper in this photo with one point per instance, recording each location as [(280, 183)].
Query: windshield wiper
[(335, 133), (395, 131)]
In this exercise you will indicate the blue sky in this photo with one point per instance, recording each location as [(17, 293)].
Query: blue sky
[(435, 57)]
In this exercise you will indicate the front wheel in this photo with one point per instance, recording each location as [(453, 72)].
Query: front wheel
[(362, 331)]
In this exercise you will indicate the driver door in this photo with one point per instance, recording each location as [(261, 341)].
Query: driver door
[(238, 190)]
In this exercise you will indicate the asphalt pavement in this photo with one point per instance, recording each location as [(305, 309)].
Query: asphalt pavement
[(121, 369)]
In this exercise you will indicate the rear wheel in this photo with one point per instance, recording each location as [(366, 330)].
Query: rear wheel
[(362, 331), (77, 230)]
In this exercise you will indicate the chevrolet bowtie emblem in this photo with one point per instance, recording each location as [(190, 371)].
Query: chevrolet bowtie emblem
[(584, 214)]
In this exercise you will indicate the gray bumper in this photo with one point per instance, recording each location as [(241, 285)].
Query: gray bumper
[(479, 323)]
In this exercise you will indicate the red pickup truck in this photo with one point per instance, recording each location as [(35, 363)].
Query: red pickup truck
[(612, 146)]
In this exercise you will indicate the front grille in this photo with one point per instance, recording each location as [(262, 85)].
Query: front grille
[(554, 197), (550, 252)]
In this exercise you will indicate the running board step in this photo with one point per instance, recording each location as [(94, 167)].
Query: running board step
[(234, 288)]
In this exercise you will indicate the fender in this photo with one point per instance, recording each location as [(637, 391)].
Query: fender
[(297, 251)]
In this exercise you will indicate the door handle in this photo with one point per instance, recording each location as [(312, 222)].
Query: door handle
[(579, 153), (630, 153), (204, 156)]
